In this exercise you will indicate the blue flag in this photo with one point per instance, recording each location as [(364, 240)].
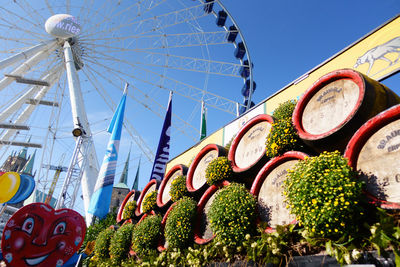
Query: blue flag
[(162, 154), (101, 198)]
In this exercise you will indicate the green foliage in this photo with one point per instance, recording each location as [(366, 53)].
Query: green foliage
[(103, 240), (93, 230), (285, 110), (232, 214), (129, 209), (324, 193), (282, 138), (146, 235), (271, 247), (218, 170), (149, 202), (179, 225), (178, 188), (120, 243)]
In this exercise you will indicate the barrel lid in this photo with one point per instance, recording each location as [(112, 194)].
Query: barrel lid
[(163, 192), (354, 78), (365, 134)]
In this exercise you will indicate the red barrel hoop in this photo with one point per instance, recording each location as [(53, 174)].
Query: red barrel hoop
[(248, 147), (151, 186), (336, 105), (374, 151), (163, 197), (268, 190), (202, 232), (196, 182)]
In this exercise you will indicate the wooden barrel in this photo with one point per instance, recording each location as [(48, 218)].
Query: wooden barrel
[(202, 230), (131, 196), (247, 151), (267, 188), (374, 151), (163, 197), (336, 105), (196, 182), (151, 186)]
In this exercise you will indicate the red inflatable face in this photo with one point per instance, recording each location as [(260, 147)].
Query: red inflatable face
[(38, 235)]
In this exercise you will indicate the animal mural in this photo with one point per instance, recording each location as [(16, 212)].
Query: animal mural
[(38, 235), (380, 52)]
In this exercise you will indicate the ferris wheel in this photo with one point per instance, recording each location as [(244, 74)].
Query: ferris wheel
[(193, 48)]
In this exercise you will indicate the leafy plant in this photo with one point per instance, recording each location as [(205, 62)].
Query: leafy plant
[(282, 138), (120, 243), (149, 202), (324, 193), (218, 170), (146, 235), (93, 230), (103, 240), (285, 110), (232, 214), (178, 188), (179, 225), (129, 209)]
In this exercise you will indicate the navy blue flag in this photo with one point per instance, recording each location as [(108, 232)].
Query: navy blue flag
[(162, 154)]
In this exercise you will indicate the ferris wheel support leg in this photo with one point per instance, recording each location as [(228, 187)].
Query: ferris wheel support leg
[(24, 55), (81, 128)]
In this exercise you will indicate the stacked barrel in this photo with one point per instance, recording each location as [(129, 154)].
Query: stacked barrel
[(344, 110)]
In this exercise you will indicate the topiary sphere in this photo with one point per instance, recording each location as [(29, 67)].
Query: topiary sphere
[(232, 214), (218, 170), (178, 188), (149, 202)]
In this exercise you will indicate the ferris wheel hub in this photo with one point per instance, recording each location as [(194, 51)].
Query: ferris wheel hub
[(62, 26)]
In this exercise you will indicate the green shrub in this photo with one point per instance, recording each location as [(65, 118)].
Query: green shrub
[(324, 193), (149, 202), (285, 110), (178, 188), (232, 214), (120, 243), (179, 225), (282, 138), (218, 170), (101, 248), (93, 230), (146, 235), (129, 210)]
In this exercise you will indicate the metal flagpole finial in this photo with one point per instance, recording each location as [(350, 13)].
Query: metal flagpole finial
[(126, 88)]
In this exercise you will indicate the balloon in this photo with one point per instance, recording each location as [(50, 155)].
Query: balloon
[(25, 189), (37, 235), (9, 184)]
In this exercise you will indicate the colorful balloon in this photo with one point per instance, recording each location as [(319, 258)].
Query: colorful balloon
[(38, 235), (25, 189), (9, 184)]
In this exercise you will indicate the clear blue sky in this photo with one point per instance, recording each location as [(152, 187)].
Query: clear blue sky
[(286, 38)]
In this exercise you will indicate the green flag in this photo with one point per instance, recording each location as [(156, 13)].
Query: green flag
[(203, 126)]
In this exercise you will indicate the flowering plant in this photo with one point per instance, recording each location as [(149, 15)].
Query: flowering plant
[(179, 225), (178, 188), (129, 209), (149, 202), (101, 248), (284, 110), (233, 214), (282, 138), (120, 243), (324, 193), (218, 170), (146, 234)]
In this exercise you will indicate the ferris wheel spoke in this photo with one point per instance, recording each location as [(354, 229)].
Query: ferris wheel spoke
[(35, 23), (151, 103), (183, 89), (131, 130), (160, 22)]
